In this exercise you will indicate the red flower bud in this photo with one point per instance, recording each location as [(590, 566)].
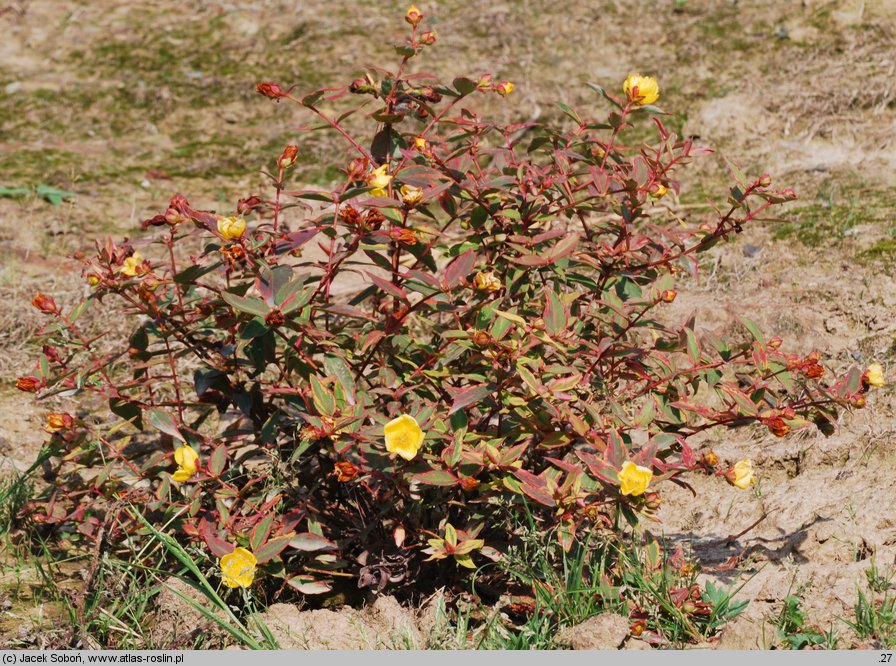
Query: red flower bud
[(774, 343), (668, 295), (52, 354), (245, 206), (270, 90), (28, 384), (288, 158), (57, 422), (44, 303), (428, 38)]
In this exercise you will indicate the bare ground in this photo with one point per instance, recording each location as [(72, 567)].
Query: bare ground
[(127, 103)]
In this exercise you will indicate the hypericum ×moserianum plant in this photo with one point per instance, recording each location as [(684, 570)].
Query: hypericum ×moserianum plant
[(469, 320)]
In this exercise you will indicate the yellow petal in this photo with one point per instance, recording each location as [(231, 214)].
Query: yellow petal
[(403, 436)]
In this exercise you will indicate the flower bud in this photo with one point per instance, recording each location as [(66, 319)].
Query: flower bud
[(668, 295), (652, 500), (710, 458), (29, 384), (52, 354), (361, 87), (859, 402), (93, 279), (764, 181), (44, 303), (485, 82), (413, 16), (481, 338), (56, 422), (420, 144), (504, 88), (428, 38), (775, 343), (174, 217), (247, 205), (270, 90), (659, 190), (288, 158)]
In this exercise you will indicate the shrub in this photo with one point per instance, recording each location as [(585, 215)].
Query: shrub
[(470, 320)]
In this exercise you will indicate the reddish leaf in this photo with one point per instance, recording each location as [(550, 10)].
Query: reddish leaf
[(459, 269), (436, 477), (388, 287), (309, 543), (218, 546), (218, 460), (272, 548), (261, 532), (308, 585), (468, 396)]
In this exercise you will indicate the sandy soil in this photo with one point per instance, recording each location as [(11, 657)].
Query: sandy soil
[(126, 103)]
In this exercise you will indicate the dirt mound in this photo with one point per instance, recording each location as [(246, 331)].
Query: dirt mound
[(384, 625)]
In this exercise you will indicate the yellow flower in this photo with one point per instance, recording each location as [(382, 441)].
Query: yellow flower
[(504, 88), (410, 195), (487, 282), (874, 375), (404, 436), (634, 479), (741, 475), (187, 462), (659, 191), (231, 228), (379, 180), (238, 568), (420, 143), (641, 89), (133, 265)]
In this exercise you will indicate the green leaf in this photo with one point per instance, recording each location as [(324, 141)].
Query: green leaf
[(164, 422), (323, 398), (53, 195), (554, 316), (261, 532), (338, 368), (271, 548), (129, 411), (569, 112), (464, 85), (308, 542), (436, 477), (754, 330), (470, 395), (218, 460), (253, 306), (308, 585)]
